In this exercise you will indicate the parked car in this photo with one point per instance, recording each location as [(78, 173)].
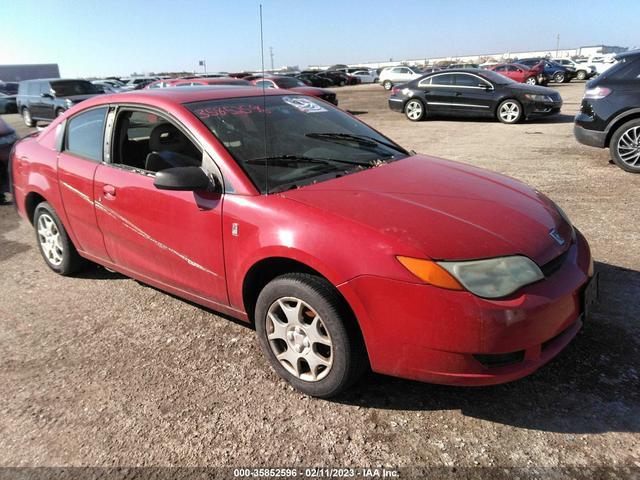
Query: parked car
[(520, 73), (473, 93), (295, 85), (137, 83), (314, 80), (46, 99), (7, 139), (396, 75), (601, 63), (458, 66), (366, 76), (9, 88), (339, 79), (342, 248), (106, 86), (8, 103), (609, 116), (558, 73), (193, 82), (583, 70)]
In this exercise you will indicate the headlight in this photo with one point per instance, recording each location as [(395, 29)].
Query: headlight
[(538, 98), (494, 277), (490, 278)]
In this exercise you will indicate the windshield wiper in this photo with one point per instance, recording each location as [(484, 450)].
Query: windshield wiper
[(301, 159), (362, 139)]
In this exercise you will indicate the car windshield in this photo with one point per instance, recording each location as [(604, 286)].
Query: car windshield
[(289, 141), (497, 78), (69, 88), (288, 82)]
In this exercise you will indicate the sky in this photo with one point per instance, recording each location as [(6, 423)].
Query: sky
[(119, 37)]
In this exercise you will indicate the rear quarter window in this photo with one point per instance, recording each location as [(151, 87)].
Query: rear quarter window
[(85, 134)]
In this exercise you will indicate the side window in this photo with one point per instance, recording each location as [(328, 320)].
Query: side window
[(85, 134), (396, 70), (446, 79), (425, 82), (501, 68), (463, 80), (147, 141), (45, 87)]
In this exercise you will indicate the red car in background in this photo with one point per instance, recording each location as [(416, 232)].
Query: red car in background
[(521, 73), (342, 248), (295, 85), (195, 81)]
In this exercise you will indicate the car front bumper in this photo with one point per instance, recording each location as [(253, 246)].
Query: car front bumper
[(542, 108), (425, 333)]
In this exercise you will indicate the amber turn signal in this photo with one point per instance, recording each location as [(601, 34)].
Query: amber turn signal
[(430, 272)]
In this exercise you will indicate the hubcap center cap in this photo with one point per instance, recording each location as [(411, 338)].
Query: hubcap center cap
[(298, 339)]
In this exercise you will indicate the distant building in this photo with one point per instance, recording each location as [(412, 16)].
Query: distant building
[(17, 73), (587, 51)]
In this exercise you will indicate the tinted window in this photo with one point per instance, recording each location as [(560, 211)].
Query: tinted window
[(467, 80), (68, 88), (85, 134), (442, 80), (501, 68), (625, 69), (289, 82)]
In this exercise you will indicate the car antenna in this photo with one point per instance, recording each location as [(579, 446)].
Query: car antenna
[(264, 109)]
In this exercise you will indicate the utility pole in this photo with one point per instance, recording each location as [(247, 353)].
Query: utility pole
[(557, 45), (271, 55)]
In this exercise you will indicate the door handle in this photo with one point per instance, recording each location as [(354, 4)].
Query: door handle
[(109, 191), (458, 94)]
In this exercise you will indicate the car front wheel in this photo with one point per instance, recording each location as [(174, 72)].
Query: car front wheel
[(414, 110), (531, 81), (581, 75), (509, 111), (558, 77), (54, 243), (307, 336), (625, 146), (387, 84), (28, 119)]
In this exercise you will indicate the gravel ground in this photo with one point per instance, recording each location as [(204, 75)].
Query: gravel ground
[(100, 370)]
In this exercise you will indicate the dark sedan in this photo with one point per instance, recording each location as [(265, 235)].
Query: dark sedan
[(473, 93), (7, 138), (8, 103)]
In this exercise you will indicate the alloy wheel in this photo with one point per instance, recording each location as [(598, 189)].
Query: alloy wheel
[(414, 110), (531, 81), (509, 112), (559, 77), (582, 75), (628, 147), (50, 240), (299, 339)]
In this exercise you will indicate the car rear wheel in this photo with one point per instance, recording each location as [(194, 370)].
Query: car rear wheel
[(387, 84), (509, 111), (558, 77), (414, 110), (531, 81), (581, 75), (54, 243), (26, 116), (305, 332), (625, 146)]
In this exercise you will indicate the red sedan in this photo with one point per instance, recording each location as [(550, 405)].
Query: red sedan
[(520, 73), (341, 247), (295, 85)]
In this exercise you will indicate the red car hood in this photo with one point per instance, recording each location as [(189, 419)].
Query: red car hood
[(446, 210), (314, 91)]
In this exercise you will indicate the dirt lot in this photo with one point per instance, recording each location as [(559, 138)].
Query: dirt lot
[(100, 370)]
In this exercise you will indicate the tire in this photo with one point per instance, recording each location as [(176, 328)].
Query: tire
[(55, 246), (509, 111), (531, 81), (558, 77), (387, 85), (414, 110), (322, 368), (581, 75), (28, 119), (625, 146)]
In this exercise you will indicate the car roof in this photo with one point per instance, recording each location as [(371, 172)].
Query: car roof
[(630, 53)]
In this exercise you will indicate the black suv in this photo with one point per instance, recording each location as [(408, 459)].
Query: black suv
[(610, 112), (46, 99)]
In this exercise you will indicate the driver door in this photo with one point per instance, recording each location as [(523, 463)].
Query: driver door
[(168, 237)]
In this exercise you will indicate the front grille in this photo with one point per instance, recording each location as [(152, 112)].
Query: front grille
[(550, 267), (500, 359)]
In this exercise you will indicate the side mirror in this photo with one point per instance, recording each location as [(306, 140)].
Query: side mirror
[(188, 179)]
